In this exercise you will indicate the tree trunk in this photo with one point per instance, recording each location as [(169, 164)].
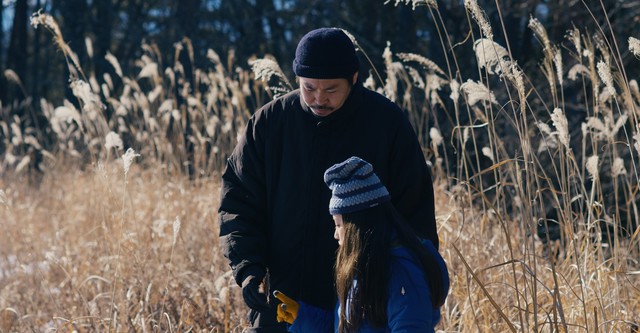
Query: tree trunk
[(135, 12), (2, 89), (277, 40), (102, 27), (188, 16), (405, 28), (74, 27), (17, 54), (35, 64)]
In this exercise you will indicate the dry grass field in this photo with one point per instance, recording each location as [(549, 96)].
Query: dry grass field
[(113, 226), (93, 251)]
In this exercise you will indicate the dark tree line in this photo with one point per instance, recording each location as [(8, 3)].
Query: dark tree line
[(258, 27), (241, 29)]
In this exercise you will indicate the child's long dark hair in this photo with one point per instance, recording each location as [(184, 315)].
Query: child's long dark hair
[(365, 255)]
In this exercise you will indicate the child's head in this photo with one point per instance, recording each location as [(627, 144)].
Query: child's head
[(354, 188)]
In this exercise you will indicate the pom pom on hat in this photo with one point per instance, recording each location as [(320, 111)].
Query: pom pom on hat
[(354, 186), (325, 53)]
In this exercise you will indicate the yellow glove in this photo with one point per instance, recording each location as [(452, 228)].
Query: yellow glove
[(288, 310)]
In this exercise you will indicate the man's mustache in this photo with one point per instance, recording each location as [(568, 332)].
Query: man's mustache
[(321, 107)]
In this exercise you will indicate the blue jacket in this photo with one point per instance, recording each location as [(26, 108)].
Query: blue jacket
[(409, 307)]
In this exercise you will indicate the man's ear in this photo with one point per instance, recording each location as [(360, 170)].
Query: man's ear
[(354, 79)]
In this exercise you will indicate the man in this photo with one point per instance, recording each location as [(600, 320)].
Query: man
[(274, 225)]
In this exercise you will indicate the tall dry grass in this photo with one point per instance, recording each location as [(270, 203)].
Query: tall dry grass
[(537, 187), (95, 251), (544, 225)]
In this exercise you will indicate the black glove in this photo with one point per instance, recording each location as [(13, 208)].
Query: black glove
[(253, 295)]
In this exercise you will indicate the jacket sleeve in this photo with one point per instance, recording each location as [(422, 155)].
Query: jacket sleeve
[(243, 214), (312, 319), (411, 186), (409, 308)]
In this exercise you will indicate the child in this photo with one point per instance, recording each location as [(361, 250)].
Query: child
[(387, 279)]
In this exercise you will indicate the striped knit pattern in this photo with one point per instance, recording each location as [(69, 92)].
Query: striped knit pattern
[(354, 186)]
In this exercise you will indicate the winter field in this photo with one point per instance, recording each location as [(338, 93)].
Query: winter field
[(115, 227)]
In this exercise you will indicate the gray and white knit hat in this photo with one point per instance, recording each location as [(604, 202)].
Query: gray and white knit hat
[(354, 186)]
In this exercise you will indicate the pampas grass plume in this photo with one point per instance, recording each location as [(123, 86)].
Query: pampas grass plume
[(370, 83), (578, 69), (391, 82), (266, 68), (633, 84), (89, 45), (636, 138), (562, 126), (176, 229), (127, 159), (454, 85), (415, 3), (557, 60), (465, 135), (3, 198), (12, 76), (486, 151), (547, 134), (114, 62), (618, 168), (479, 16), (544, 128), (113, 140), (539, 30), (592, 167), (90, 101), (149, 70), (634, 46), (424, 61), (489, 54), (574, 36), (50, 24), (66, 113), (26, 160), (436, 137), (605, 75), (417, 78), (17, 134), (477, 92)]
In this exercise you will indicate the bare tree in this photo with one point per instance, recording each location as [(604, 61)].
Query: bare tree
[(17, 53), (103, 15), (2, 88)]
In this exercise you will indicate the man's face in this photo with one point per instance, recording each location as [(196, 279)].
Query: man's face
[(324, 96)]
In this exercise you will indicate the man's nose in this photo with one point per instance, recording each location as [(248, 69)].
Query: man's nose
[(319, 96)]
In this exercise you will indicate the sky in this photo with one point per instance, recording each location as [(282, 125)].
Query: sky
[(7, 18)]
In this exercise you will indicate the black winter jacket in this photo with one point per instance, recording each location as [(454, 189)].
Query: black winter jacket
[(274, 203)]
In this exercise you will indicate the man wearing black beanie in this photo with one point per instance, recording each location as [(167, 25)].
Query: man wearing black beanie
[(274, 225)]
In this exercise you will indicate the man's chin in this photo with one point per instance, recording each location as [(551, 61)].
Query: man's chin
[(322, 112)]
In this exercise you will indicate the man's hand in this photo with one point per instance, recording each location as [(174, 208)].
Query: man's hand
[(255, 298), (288, 310)]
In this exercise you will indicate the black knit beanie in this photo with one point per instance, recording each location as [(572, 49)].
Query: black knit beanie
[(325, 53)]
